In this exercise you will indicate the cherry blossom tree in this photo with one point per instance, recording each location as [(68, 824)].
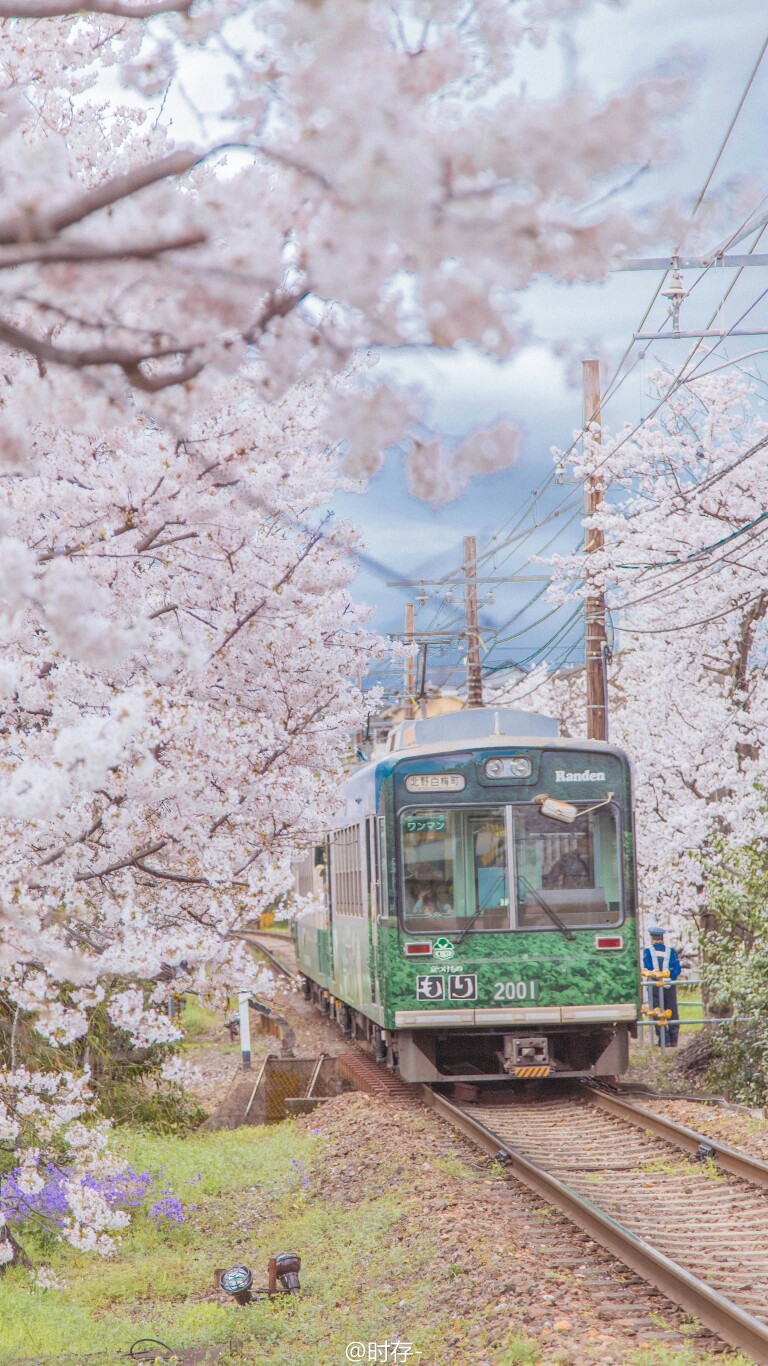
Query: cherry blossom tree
[(685, 570), (188, 333), (168, 745), (316, 219)]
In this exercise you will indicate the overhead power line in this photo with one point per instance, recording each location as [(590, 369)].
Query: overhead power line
[(518, 528), (705, 550), (726, 138), (672, 627)]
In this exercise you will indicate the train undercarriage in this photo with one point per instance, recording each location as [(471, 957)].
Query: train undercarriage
[(483, 1054)]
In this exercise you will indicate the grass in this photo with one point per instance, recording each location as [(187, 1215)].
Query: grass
[(690, 1007), (197, 1020), (159, 1283), (371, 1271), (363, 1278)]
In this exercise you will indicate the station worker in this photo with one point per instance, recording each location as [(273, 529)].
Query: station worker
[(662, 957)]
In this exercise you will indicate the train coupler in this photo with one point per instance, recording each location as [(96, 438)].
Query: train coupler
[(527, 1056)]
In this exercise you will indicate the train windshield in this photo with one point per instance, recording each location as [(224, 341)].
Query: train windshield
[(570, 873), (459, 866), (456, 867)]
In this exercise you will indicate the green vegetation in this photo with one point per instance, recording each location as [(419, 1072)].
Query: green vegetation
[(197, 1020), (521, 1351), (126, 1080), (736, 971), (245, 1188), (365, 1275), (687, 1356)]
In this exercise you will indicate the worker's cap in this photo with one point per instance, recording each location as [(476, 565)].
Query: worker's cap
[(655, 931)]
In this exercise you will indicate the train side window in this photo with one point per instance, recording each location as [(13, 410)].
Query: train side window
[(320, 872), (347, 871)]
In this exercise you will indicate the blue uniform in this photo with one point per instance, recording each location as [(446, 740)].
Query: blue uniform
[(665, 959)]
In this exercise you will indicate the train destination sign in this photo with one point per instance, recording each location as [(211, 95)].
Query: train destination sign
[(435, 782)]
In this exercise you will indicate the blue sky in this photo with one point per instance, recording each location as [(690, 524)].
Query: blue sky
[(720, 42)]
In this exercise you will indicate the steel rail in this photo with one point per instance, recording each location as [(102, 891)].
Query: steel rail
[(731, 1323), (730, 1159), (287, 938), (251, 938)]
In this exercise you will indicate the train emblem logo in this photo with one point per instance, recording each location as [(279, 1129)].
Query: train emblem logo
[(442, 949)]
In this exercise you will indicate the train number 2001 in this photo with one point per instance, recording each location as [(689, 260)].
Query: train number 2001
[(515, 991)]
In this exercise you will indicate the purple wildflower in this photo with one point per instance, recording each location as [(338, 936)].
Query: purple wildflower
[(123, 1190), (168, 1208), (299, 1176)]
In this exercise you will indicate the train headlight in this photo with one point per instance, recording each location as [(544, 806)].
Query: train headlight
[(519, 766)]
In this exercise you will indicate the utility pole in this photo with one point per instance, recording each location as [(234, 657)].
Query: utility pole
[(596, 639), (409, 674), (474, 676)]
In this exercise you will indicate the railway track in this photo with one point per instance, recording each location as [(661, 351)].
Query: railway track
[(693, 1229), (688, 1214), (693, 1225), (285, 968)]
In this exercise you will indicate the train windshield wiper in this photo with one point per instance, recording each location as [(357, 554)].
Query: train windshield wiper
[(554, 917), (469, 925), (479, 910)]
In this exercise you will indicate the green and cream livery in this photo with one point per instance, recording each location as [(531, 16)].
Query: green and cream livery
[(476, 906)]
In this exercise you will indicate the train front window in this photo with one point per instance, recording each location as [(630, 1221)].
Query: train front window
[(567, 873), (455, 869)]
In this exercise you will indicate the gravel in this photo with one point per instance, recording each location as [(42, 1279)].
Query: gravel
[(505, 1260)]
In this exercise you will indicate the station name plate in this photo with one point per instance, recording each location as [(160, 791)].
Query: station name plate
[(435, 782)]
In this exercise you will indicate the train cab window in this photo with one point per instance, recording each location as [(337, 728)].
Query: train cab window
[(455, 869), (568, 874)]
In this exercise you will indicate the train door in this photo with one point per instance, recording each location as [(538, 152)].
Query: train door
[(374, 904), (324, 891)]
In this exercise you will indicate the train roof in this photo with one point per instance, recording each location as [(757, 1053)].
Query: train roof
[(361, 788)]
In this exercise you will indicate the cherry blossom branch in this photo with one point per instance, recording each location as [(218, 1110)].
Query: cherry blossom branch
[(254, 611), (85, 253), (78, 839), (131, 860), (168, 876), (82, 206), (121, 9), (127, 361), (279, 305)]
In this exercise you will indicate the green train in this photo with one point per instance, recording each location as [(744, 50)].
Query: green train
[(475, 910)]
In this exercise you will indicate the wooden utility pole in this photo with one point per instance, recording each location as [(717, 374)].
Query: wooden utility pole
[(409, 674), (474, 676), (596, 639)]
